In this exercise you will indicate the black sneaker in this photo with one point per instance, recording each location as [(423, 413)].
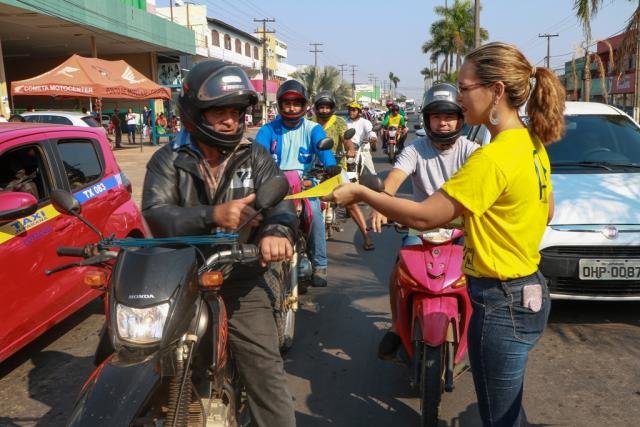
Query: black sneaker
[(319, 279), (388, 346)]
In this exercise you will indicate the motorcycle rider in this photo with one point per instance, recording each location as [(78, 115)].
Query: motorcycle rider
[(429, 161), (324, 105), (205, 182), (364, 137), (292, 141), (394, 118)]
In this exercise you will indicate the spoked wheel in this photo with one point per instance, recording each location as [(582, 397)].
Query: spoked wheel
[(431, 384)]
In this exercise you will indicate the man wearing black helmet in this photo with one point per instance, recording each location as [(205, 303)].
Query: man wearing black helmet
[(205, 181), (430, 161), (292, 140)]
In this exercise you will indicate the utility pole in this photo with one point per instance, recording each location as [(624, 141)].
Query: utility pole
[(342, 67), (171, 9), (264, 33), (353, 81), (315, 53), (548, 36), (373, 79), (476, 24)]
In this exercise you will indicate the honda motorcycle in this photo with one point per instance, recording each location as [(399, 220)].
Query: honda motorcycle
[(172, 364), (432, 309)]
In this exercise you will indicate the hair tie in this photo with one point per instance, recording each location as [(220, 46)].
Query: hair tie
[(533, 71)]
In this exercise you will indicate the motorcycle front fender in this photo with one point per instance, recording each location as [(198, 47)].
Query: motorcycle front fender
[(115, 393), (434, 315)]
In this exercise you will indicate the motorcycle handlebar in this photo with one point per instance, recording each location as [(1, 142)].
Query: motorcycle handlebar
[(244, 253), (70, 251)]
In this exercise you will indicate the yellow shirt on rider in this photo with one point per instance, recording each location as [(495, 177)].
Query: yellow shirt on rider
[(506, 217), (395, 120)]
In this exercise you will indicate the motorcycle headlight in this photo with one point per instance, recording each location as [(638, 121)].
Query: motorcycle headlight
[(439, 235), (141, 325)]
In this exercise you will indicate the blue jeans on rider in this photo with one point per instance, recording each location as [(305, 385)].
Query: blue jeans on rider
[(504, 328), (318, 242)]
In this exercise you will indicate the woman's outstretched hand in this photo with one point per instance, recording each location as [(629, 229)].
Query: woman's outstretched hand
[(345, 194)]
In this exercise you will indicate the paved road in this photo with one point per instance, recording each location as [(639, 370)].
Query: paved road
[(584, 372)]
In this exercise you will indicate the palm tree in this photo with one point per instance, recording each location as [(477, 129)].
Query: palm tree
[(324, 79), (393, 79), (586, 10), (453, 35)]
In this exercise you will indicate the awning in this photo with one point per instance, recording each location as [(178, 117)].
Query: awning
[(91, 77)]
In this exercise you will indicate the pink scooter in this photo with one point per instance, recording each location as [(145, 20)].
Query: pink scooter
[(433, 309)]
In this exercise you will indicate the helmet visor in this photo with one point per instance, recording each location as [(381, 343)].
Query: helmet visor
[(226, 81)]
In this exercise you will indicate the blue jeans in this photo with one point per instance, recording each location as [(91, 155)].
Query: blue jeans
[(501, 334), (317, 240)]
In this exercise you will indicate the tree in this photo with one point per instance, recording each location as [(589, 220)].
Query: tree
[(317, 79), (393, 79), (586, 10), (453, 35)]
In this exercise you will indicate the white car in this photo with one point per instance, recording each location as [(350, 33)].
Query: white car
[(62, 118), (591, 248)]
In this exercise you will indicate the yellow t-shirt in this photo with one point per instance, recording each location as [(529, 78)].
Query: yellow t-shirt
[(505, 187)]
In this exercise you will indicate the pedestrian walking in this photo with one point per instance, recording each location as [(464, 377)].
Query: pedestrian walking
[(117, 127), (132, 121)]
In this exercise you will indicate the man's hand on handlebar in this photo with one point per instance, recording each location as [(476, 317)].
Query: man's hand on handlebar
[(377, 220), (274, 249)]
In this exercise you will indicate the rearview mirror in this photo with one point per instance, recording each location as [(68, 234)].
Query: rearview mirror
[(272, 192), (349, 133), (325, 144), (64, 202), (372, 182)]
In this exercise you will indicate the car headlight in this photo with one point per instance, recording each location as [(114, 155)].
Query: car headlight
[(141, 325)]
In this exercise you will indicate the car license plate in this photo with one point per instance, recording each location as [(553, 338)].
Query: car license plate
[(609, 269)]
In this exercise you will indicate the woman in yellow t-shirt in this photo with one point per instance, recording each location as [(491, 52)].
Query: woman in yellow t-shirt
[(504, 194)]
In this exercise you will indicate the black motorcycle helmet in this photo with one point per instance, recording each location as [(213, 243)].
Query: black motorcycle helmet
[(213, 83), (292, 89), (324, 98), (442, 98)]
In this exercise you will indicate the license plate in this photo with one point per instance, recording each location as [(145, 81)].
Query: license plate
[(609, 269)]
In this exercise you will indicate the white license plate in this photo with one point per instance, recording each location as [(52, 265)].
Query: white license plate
[(609, 269)]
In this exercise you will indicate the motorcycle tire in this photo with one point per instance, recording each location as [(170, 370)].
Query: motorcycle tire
[(431, 384), (391, 151)]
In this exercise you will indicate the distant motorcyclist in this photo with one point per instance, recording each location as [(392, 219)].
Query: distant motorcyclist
[(429, 161), (394, 118), (364, 137), (205, 182), (292, 141), (324, 105)]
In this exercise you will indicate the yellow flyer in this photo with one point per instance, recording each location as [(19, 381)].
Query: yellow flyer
[(323, 189)]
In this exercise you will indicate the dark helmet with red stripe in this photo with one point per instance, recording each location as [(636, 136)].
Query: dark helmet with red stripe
[(211, 84), (292, 90)]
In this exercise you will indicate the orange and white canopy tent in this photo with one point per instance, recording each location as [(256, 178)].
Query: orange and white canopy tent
[(91, 77)]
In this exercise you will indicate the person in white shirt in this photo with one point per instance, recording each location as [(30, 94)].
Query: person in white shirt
[(430, 161), (364, 136)]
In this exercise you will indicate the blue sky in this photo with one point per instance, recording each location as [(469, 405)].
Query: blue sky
[(386, 36)]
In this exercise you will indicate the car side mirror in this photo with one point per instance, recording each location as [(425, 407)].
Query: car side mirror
[(14, 205)]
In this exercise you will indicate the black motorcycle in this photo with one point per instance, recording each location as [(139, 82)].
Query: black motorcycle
[(172, 364)]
